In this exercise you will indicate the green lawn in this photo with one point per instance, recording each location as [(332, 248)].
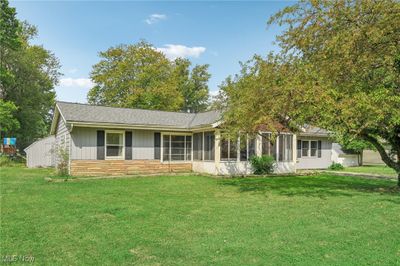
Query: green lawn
[(195, 220), (371, 169)]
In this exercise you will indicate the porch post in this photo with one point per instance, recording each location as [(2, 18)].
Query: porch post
[(258, 145)]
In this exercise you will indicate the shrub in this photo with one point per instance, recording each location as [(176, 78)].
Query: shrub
[(262, 164), (336, 166), (63, 161), (14, 160)]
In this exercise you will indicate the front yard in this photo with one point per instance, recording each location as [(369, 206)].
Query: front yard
[(371, 169), (195, 220)]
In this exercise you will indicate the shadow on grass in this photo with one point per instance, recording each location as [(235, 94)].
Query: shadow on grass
[(313, 186)]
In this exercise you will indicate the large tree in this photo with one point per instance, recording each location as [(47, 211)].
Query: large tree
[(139, 76), (339, 68), (30, 75)]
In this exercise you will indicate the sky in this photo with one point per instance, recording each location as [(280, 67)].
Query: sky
[(220, 34)]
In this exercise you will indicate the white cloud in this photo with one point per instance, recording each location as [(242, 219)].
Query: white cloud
[(78, 82), (173, 51), (72, 70), (154, 18)]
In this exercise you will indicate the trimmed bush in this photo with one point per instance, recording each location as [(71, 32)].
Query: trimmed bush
[(336, 166), (262, 164)]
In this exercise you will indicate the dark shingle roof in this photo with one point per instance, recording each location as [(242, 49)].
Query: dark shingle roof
[(76, 112)]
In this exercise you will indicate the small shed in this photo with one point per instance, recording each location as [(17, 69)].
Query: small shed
[(41, 153)]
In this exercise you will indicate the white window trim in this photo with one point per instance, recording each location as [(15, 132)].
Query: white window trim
[(122, 157), (309, 149)]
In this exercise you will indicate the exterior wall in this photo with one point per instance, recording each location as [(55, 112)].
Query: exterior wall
[(125, 167), (314, 162), (205, 167), (62, 138), (371, 157), (233, 168), (338, 156), (84, 144), (41, 153)]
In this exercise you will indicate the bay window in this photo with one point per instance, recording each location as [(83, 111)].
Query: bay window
[(115, 144)]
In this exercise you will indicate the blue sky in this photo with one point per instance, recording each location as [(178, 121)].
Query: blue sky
[(217, 33)]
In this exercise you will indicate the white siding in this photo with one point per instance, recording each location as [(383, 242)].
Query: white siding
[(41, 153), (84, 144), (339, 156), (62, 137), (143, 145)]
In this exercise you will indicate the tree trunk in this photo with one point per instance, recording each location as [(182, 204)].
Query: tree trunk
[(398, 179)]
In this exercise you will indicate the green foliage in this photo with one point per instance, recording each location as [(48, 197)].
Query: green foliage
[(62, 156), (336, 166), (11, 161), (262, 164), (338, 69), (8, 122), (32, 72), (139, 76)]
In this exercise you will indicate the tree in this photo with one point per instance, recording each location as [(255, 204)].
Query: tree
[(34, 72), (8, 122), (9, 41), (344, 74), (139, 76)]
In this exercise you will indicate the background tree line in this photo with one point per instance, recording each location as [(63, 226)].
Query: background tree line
[(28, 74), (139, 76)]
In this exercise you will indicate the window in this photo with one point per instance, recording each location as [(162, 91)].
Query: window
[(115, 144), (228, 150), (309, 148), (209, 144), (198, 146), (177, 148)]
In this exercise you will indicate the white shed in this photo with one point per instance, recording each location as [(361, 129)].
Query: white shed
[(41, 153)]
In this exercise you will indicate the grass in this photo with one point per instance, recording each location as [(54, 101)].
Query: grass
[(195, 220), (371, 169)]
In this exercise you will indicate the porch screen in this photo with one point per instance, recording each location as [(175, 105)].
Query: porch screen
[(268, 145), (177, 148), (209, 143), (197, 146)]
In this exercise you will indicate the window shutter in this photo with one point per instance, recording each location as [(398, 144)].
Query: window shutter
[(157, 145), (319, 149), (299, 148), (128, 145), (100, 145)]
